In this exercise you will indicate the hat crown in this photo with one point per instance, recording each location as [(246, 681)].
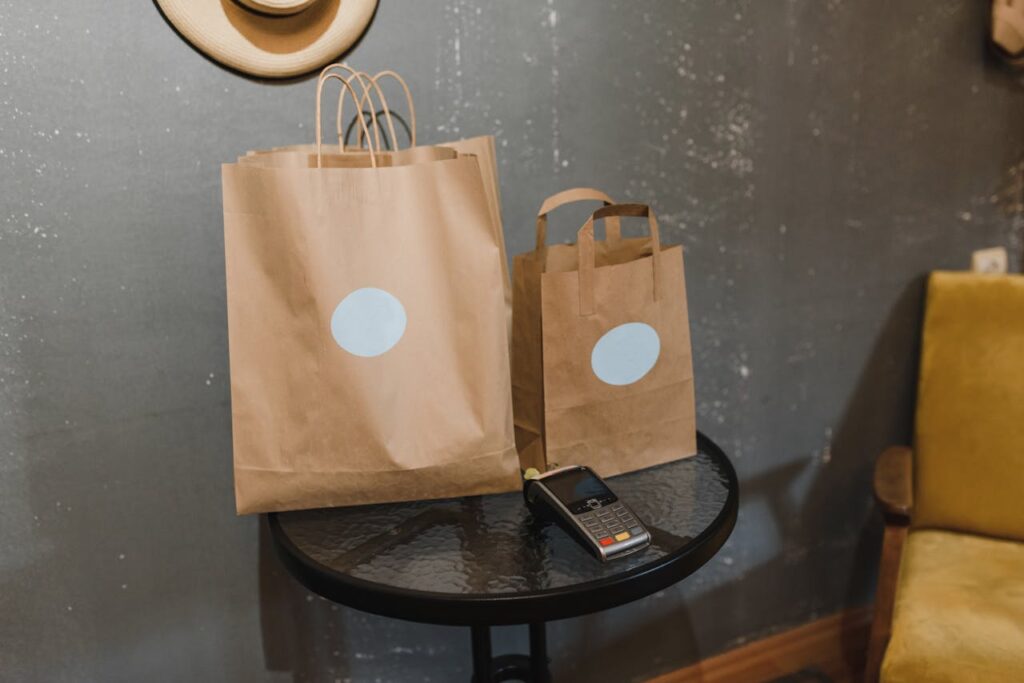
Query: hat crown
[(281, 7)]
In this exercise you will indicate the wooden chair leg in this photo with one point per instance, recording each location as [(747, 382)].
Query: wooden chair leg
[(885, 597)]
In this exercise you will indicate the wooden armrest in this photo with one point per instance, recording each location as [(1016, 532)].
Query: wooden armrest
[(894, 483), (894, 489)]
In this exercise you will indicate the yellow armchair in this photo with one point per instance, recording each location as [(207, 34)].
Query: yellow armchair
[(950, 599)]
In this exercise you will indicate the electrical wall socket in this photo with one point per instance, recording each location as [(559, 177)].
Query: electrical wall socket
[(992, 260)]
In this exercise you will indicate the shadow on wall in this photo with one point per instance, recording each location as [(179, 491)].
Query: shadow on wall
[(882, 407), (308, 639), (299, 635)]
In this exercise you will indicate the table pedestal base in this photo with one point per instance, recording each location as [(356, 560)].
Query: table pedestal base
[(532, 668)]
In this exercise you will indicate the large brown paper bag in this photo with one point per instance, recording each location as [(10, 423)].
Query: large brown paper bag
[(368, 350), (616, 360)]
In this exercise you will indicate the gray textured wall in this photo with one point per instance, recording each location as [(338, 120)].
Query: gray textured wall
[(816, 158)]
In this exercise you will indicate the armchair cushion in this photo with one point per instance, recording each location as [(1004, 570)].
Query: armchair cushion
[(959, 613), (969, 442)]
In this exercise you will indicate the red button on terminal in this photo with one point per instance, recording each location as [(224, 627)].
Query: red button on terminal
[(605, 541)]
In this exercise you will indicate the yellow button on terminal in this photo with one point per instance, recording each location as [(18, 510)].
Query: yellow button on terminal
[(622, 537)]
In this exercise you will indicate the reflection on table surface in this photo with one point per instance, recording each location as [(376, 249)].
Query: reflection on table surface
[(491, 544)]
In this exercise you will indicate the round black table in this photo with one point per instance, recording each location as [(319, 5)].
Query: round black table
[(482, 561)]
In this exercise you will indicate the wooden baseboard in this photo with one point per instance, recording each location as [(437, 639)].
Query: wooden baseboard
[(834, 646)]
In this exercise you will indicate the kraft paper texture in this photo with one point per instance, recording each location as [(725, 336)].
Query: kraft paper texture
[(566, 298), (315, 425)]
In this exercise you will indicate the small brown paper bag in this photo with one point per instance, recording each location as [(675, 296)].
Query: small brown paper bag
[(610, 383), (527, 344)]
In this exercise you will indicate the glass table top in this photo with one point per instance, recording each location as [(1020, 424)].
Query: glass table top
[(492, 546)]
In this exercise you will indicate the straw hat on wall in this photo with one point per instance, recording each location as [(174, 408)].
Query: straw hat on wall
[(270, 38), (1008, 31)]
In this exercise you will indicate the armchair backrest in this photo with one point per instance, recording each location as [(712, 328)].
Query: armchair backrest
[(969, 433)]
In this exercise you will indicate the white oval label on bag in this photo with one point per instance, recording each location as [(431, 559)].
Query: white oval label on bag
[(368, 322), (626, 353)]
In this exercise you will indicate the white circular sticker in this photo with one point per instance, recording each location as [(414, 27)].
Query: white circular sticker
[(368, 322), (626, 353)]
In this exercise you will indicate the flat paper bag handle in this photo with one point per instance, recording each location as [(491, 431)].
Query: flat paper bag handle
[(576, 194), (585, 247)]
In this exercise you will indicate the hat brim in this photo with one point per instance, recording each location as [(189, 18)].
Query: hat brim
[(266, 45)]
